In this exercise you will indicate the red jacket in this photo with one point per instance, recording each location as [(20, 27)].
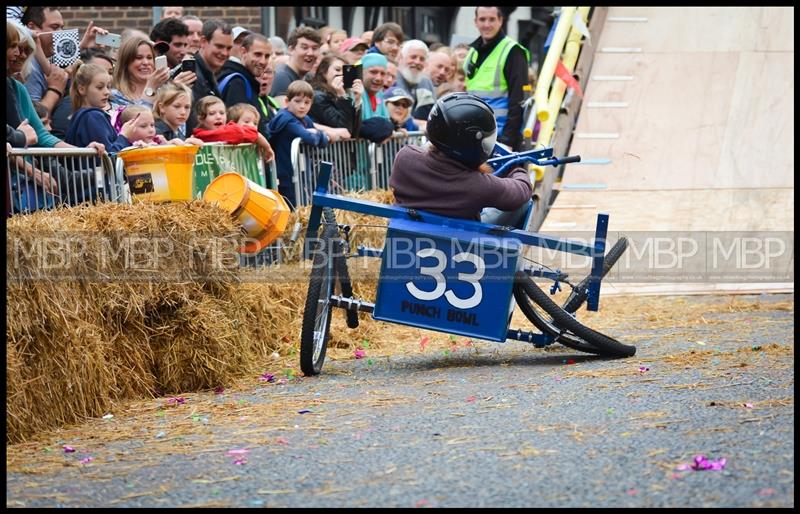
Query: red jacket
[(232, 133)]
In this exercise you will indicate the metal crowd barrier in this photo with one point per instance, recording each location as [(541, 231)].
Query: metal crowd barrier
[(45, 178), (358, 164)]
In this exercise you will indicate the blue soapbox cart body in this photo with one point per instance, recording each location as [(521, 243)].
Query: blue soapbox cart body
[(451, 275)]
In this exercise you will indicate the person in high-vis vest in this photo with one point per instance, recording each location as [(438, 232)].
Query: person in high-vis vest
[(496, 69)]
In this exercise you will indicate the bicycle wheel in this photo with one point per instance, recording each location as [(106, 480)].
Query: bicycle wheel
[(581, 291), (546, 326), (317, 313), (562, 319)]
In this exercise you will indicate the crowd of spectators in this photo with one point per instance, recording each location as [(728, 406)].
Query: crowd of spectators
[(217, 82)]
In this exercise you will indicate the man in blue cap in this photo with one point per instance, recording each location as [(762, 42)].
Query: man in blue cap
[(374, 73)]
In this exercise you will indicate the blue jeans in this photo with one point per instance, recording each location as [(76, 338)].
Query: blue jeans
[(513, 218)]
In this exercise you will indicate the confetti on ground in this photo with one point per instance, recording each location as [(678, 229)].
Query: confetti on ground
[(87, 460), (108, 416), (766, 491), (177, 400), (69, 449), (241, 451), (240, 462), (422, 343), (643, 369), (267, 377), (748, 405), (304, 411), (360, 354), (219, 390), (470, 399), (281, 440), (632, 492), (701, 463)]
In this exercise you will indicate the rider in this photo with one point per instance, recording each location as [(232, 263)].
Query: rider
[(451, 177)]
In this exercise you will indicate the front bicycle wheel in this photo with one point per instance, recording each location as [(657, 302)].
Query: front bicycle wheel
[(563, 321), (546, 326)]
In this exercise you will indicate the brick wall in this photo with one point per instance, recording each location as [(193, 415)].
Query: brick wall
[(116, 19)]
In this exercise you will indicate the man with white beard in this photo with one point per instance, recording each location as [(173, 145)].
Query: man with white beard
[(411, 77)]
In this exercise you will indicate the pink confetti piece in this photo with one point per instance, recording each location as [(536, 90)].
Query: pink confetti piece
[(176, 400), (470, 399), (87, 460), (748, 405), (558, 379), (766, 491), (219, 390), (632, 492), (240, 462), (360, 354), (701, 463), (69, 449), (468, 342), (267, 377), (422, 503), (281, 381), (643, 369), (423, 343), (242, 451), (281, 440)]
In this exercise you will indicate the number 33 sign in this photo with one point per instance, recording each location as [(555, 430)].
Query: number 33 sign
[(446, 279)]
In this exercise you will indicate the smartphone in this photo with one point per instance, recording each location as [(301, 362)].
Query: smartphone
[(350, 72), (110, 40), (161, 62), (189, 65)]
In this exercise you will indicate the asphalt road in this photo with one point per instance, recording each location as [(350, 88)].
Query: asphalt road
[(484, 425)]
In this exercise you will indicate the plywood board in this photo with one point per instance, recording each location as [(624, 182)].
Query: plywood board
[(729, 125), (710, 210), (702, 29)]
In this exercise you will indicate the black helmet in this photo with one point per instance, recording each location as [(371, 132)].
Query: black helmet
[(463, 126)]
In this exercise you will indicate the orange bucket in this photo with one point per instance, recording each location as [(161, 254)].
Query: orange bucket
[(162, 173), (262, 212)]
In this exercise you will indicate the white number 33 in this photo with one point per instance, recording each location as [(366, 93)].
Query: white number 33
[(435, 272)]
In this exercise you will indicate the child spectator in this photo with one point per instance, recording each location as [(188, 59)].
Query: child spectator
[(90, 94), (173, 104), (244, 114), (144, 128), (399, 105), (213, 128), (247, 116), (291, 122)]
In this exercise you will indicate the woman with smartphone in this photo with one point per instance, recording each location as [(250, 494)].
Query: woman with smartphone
[(333, 107), (137, 75)]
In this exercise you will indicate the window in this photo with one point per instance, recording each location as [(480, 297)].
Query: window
[(312, 16)]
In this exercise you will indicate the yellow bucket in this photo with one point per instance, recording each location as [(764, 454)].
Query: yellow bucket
[(262, 212), (162, 173)]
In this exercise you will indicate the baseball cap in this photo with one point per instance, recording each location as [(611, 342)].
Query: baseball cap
[(352, 43), (238, 31), (396, 94)]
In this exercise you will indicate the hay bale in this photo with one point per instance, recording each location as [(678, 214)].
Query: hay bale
[(88, 319), (89, 326)]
